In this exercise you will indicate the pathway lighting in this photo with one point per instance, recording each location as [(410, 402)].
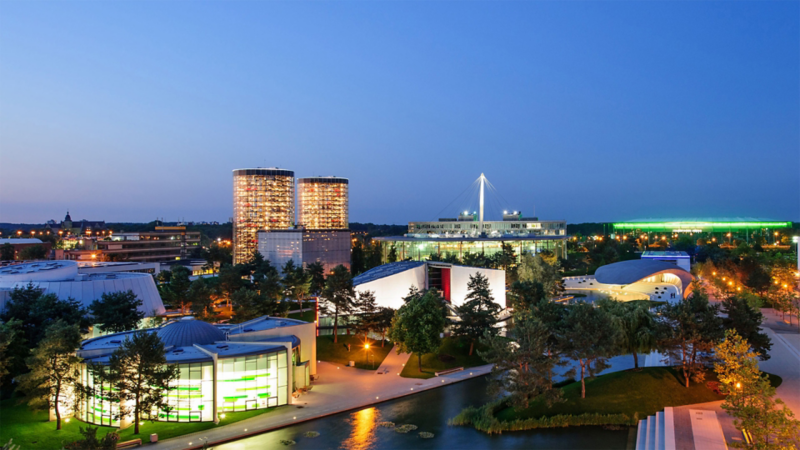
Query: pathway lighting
[(222, 416)]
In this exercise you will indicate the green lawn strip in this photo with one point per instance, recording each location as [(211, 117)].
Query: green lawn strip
[(432, 362), (305, 316), (32, 429), (337, 353), (644, 392)]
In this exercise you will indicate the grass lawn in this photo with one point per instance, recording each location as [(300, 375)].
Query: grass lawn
[(337, 353), (32, 429), (644, 392), (432, 362), (306, 316)]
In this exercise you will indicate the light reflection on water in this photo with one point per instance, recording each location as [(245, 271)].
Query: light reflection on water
[(429, 410), (364, 423)]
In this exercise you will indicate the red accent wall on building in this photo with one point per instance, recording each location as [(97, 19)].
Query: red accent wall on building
[(446, 284)]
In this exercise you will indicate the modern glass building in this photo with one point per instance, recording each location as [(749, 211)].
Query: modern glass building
[(263, 199), (254, 365), (420, 247), (323, 203), (303, 247)]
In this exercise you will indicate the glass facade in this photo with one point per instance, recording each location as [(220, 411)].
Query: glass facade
[(252, 382), (263, 199), (422, 249), (243, 383), (96, 408), (323, 203)]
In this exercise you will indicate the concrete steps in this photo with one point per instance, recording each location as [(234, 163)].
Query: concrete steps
[(657, 432)]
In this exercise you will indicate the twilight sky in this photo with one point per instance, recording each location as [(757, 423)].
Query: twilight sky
[(587, 111)]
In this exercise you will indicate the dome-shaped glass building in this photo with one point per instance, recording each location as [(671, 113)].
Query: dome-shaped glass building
[(222, 368)]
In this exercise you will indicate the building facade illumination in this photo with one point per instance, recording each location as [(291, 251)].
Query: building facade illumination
[(263, 199), (323, 203)]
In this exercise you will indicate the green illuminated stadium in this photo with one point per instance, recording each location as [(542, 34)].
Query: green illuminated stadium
[(698, 227)]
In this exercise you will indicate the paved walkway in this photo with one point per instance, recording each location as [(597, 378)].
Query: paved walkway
[(338, 389)]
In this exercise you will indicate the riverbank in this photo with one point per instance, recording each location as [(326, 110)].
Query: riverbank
[(338, 389)]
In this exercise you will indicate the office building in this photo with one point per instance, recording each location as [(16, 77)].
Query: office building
[(263, 199), (163, 244), (330, 247), (323, 203)]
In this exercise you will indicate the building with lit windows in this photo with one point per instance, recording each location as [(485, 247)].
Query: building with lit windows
[(323, 202), (263, 199), (303, 247), (222, 368), (719, 231), (162, 245)]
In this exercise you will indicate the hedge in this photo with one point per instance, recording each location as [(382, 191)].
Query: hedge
[(483, 419)]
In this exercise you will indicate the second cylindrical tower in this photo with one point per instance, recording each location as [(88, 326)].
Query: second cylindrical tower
[(323, 203)]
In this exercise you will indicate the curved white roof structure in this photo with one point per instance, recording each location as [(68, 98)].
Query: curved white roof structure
[(62, 279), (629, 272)]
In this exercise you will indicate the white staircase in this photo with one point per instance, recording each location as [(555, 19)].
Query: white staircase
[(657, 432)]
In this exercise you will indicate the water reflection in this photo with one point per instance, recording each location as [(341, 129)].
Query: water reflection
[(364, 423)]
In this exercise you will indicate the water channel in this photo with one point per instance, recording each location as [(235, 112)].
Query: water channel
[(430, 410)]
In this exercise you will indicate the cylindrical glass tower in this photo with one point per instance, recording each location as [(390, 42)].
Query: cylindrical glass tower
[(263, 199), (323, 203)]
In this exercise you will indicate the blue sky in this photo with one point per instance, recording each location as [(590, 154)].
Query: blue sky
[(587, 111)]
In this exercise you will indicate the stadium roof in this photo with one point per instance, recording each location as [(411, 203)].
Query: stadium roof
[(699, 225)]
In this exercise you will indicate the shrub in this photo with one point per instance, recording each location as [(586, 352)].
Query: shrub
[(425, 435), (310, 434)]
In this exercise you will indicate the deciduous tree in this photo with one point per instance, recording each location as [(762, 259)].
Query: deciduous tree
[(53, 369), (589, 336), (418, 324), (522, 369), (746, 320), (638, 326)]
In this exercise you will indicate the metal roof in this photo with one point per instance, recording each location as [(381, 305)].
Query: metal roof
[(664, 254), (505, 238), (628, 272), (385, 271), (20, 241), (188, 331)]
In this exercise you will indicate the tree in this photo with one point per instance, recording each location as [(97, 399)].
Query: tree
[(296, 282), (589, 336), (525, 294), (35, 312), (316, 271), (537, 269), (201, 294), (506, 258), (177, 290), (366, 307), (232, 278), (638, 326), (338, 296), (53, 369), (746, 320), (8, 330), (418, 324), (7, 252), (33, 252), (521, 368), (478, 313), (390, 258), (692, 328), (140, 377), (117, 311), (358, 258), (382, 321), (749, 396), (249, 304), (90, 441)]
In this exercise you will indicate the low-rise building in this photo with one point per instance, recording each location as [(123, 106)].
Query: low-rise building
[(163, 244), (330, 247), (223, 368)]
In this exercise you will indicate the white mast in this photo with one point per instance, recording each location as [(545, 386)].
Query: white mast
[(483, 178)]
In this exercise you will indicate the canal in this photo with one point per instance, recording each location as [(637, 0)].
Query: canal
[(429, 411)]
